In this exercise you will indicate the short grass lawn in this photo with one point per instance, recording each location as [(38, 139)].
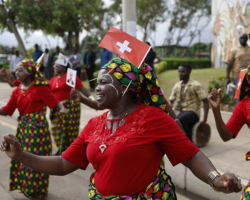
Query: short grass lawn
[(168, 78)]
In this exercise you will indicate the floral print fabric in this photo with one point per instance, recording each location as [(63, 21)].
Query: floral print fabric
[(34, 137)]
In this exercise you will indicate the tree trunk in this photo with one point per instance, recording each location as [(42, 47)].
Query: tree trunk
[(13, 28), (18, 37), (77, 45)]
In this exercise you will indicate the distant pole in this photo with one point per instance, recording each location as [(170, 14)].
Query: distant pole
[(129, 16)]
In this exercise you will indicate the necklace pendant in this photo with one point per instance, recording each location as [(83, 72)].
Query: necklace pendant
[(102, 147)]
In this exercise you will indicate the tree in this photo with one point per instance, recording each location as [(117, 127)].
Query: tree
[(149, 13), (58, 17), (8, 21), (188, 19)]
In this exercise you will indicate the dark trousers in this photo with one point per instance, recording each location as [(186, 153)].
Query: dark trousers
[(90, 73), (78, 72), (188, 119)]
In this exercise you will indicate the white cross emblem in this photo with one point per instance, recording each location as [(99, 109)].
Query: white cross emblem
[(239, 84), (124, 46)]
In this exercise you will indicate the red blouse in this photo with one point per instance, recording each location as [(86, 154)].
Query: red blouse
[(59, 87), (134, 151), (241, 116), (32, 100)]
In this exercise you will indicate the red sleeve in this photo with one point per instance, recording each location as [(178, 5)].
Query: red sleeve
[(78, 83), (11, 106), (237, 120), (173, 142), (16, 82), (47, 97), (77, 152)]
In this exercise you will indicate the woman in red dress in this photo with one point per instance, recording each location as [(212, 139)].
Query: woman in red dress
[(240, 116), (31, 98), (65, 128)]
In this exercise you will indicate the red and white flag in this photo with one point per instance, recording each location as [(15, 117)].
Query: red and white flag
[(125, 45), (239, 83)]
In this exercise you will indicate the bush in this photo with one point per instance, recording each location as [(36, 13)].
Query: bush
[(220, 82), (160, 67), (4, 65), (196, 63)]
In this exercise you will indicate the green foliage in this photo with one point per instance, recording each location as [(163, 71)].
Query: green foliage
[(187, 20), (220, 82), (160, 67), (174, 63), (149, 13), (4, 65)]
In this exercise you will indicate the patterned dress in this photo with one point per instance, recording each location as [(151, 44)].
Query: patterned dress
[(65, 129), (33, 135)]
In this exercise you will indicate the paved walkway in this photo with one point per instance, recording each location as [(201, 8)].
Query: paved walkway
[(227, 157)]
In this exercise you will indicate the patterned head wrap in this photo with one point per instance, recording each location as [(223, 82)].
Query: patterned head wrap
[(143, 82), (245, 88), (30, 66)]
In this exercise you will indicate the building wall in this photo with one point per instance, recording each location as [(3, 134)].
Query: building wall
[(230, 18)]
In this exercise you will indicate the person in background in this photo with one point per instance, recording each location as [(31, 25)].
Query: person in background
[(36, 54), (106, 56), (186, 98), (89, 62), (151, 56), (238, 119), (237, 59), (47, 65), (77, 62), (32, 132), (126, 143), (65, 129), (15, 59)]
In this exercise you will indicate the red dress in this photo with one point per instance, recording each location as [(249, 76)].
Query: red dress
[(33, 135), (30, 101), (59, 87), (241, 116), (133, 152)]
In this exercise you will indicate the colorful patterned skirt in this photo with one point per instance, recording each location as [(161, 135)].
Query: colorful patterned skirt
[(160, 188), (34, 137), (246, 192), (65, 128)]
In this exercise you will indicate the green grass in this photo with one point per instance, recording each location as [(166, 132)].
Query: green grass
[(168, 78)]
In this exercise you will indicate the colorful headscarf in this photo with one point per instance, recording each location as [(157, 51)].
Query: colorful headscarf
[(30, 66), (245, 87), (142, 81)]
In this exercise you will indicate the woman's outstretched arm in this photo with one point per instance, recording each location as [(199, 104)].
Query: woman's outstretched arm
[(50, 165)]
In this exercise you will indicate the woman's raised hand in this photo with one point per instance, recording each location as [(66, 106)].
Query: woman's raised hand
[(214, 98), (227, 183), (75, 95), (3, 72), (11, 146)]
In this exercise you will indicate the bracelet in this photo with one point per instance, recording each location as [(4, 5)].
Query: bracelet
[(177, 120), (211, 176)]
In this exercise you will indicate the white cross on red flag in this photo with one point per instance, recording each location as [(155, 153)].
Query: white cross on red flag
[(239, 83), (125, 45)]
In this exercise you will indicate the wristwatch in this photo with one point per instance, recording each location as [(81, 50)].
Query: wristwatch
[(211, 176)]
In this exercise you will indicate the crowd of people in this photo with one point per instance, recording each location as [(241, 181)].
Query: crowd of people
[(140, 126)]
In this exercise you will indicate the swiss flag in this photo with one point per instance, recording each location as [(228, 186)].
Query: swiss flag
[(125, 45), (239, 83)]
